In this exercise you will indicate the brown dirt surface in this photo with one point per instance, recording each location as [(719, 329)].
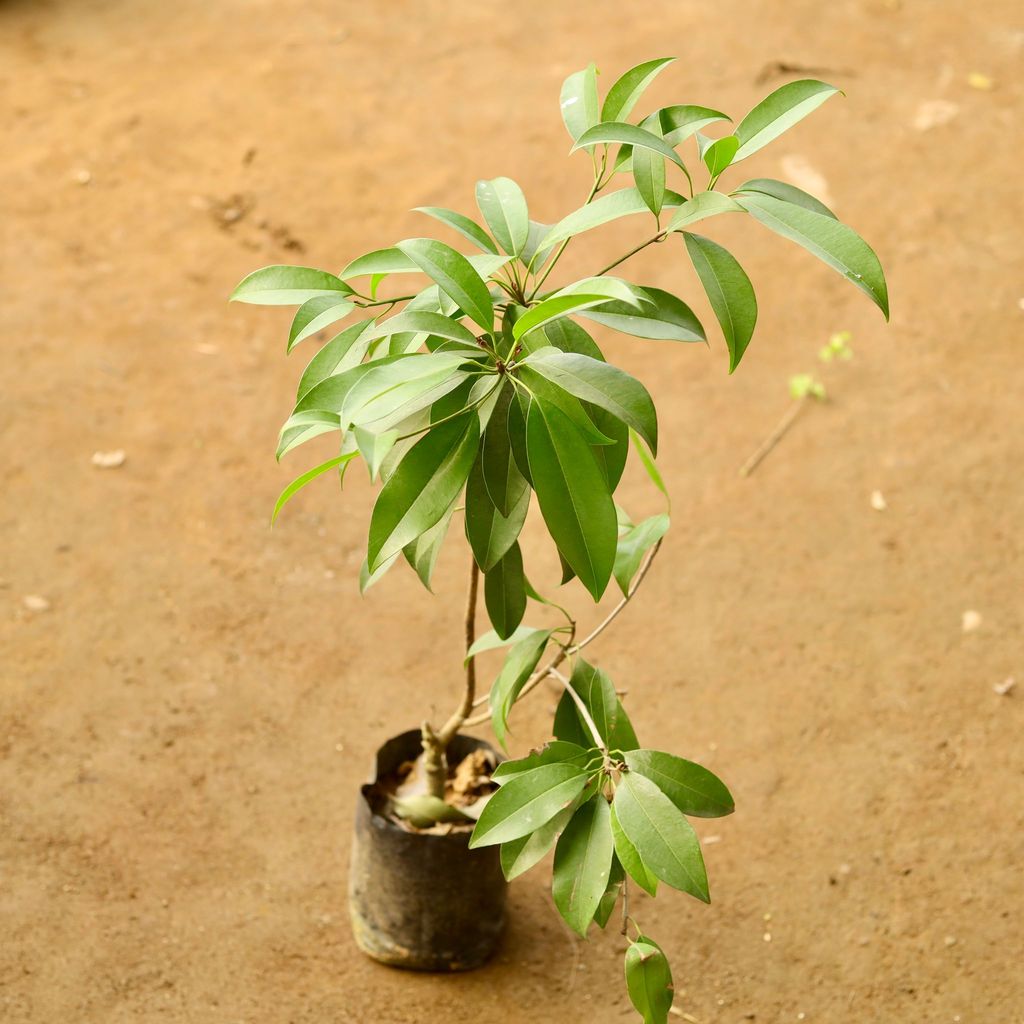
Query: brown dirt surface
[(187, 712)]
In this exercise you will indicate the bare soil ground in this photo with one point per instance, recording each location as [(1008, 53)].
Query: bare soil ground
[(185, 716)]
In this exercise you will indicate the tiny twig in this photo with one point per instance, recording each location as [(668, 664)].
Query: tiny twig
[(584, 711), (774, 437)]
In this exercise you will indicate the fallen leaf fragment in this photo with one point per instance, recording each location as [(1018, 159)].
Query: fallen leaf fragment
[(1005, 687)]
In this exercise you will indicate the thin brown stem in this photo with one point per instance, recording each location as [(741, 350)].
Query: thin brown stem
[(659, 237), (774, 437), (458, 719)]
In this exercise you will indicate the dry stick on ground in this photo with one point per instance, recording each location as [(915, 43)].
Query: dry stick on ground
[(774, 437)]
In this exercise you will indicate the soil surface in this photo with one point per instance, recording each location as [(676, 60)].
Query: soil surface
[(189, 700)]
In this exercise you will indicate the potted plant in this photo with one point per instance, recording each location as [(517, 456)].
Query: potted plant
[(474, 392)]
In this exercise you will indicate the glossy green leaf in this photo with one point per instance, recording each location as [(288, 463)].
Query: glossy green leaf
[(611, 894), (628, 135), (503, 206), (504, 483), (568, 336), (490, 533), (649, 981), (609, 287), (610, 458), (367, 579), (691, 787), (533, 255), (603, 210), (720, 154), (299, 482), (552, 752), (778, 112), (663, 837), (573, 495), (380, 262), (648, 463), (628, 89), (422, 322), (633, 545), (342, 352), (374, 447), (287, 286), (667, 318), (465, 226), (729, 291), (787, 193), (505, 593), (602, 384), (526, 802), (302, 427), (423, 552), (553, 309), (317, 313), (579, 102), (701, 206), (630, 859), (454, 275), (597, 692), (576, 411), (675, 124), (583, 860), (491, 641), (519, 664), (830, 240), (425, 483), (649, 176), (523, 853)]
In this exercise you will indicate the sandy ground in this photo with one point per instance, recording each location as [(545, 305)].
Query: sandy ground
[(182, 728)]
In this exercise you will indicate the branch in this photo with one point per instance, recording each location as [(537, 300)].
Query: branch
[(582, 708), (458, 719), (774, 437), (659, 237)]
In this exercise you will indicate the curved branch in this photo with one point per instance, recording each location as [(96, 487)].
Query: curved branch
[(458, 719)]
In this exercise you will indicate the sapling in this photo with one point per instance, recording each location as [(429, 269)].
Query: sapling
[(480, 390)]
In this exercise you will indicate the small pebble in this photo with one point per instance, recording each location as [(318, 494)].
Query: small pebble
[(970, 620), (767, 936), (1005, 687), (109, 460), (36, 603), (878, 502), (950, 940), (83, 177)]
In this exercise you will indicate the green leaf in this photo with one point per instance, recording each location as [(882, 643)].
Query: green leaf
[(602, 211), (568, 336), (830, 240), (602, 384), (300, 481), (597, 692), (374, 447), (540, 387), (667, 318), (503, 205), (648, 464), (611, 893), (609, 287), (630, 859), (287, 286), (553, 309), (491, 641), (778, 112), (610, 458), (579, 103), (466, 226), (720, 154), (573, 496), (649, 175), (551, 753), (729, 291), (504, 483), (663, 838), (425, 483), (533, 255), (649, 981), (380, 262), (677, 123), (423, 552), (367, 579), (491, 534), (302, 427), (526, 802), (519, 664), (422, 322), (454, 275), (523, 853), (787, 193), (633, 545), (505, 593), (317, 313), (691, 787), (628, 135), (341, 353), (701, 206), (623, 95), (583, 861)]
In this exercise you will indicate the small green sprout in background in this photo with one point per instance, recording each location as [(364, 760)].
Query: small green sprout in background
[(802, 386)]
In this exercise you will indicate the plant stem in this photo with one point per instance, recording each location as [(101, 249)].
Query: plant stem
[(452, 726), (660, 237), (581, 707), (774, 437)]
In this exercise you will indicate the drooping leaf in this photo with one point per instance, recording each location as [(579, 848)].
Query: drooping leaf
[(374, 447), (667, 318), (583, 860), (567, 335), (662, 836), (579, 103), (504, 483), (691, 787), (729, 291), (627, 854), (628, 135), (628, 89), (367, 579), (503, 205), (505, 593), (425, 483), (720, 154), (603, 210), (491, 641), (341, 353), (830, 240), (317, 313), (787, 193), (491, 534), (523, 853), (465, 226), (287, 286), (423, 552), (778, 112), (573, 495), (602, 384), (454, 275), (597, 692), (611, 893), (648, 463), (610, 458), (649, 176), (553, 309), (526, 802), (701, 206), (303, 427), (633, 545), (299, 482), (519, 664), (649, 981)]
